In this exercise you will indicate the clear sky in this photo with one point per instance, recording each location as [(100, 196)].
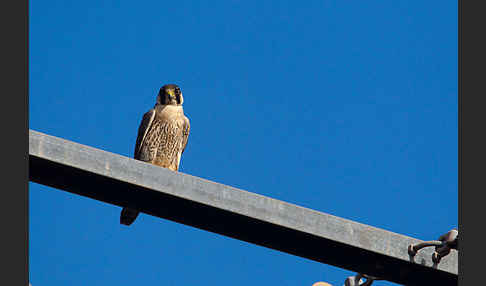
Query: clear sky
[(345, 107)]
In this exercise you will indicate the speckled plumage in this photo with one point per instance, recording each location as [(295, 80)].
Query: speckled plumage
[(162, 136)]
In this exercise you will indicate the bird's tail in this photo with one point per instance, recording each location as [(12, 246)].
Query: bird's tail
[(128, 216)]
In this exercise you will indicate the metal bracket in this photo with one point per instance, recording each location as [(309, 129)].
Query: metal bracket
[(358, 281), (443, 246)]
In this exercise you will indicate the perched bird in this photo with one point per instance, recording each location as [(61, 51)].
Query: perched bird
[(162, 136)]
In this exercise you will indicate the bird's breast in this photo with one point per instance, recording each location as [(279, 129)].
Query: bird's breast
[(169, 111)]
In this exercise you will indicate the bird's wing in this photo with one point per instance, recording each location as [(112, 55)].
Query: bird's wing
[(147, 120), (186, 128)]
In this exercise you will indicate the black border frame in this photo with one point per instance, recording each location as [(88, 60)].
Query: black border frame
[(14, 118), (15, 212), (459, 136), (471, 157)]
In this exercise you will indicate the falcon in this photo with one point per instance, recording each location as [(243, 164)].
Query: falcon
[(162, 136)]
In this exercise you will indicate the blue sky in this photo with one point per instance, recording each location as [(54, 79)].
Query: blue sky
[(345, 107)]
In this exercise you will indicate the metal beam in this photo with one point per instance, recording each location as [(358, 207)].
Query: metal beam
[(232, 212)]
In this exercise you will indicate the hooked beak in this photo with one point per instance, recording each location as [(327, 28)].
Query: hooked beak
[(171, 94)]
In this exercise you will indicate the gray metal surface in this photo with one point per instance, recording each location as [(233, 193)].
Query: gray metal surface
[(233, 212)]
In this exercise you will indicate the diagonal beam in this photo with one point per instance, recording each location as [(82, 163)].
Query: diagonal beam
[(232, 212)]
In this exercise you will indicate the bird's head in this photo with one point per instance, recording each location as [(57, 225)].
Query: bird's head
[(170, 94)]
